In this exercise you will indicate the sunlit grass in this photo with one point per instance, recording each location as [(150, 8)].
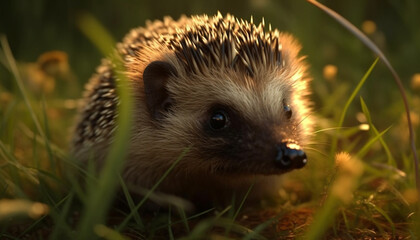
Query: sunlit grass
[(99, 195)]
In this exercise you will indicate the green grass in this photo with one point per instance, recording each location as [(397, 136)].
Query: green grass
[(47, 200)]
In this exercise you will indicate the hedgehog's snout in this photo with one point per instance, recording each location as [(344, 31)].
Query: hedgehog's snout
[(290, 156)]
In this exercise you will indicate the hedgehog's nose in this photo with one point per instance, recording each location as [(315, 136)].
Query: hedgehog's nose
[(290, 156)]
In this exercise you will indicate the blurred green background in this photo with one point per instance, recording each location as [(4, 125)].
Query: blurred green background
[(37, 26)]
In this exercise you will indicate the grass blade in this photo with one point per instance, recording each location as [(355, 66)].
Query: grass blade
[(58, 152), (362, 152), (240, 207), (108, 233), (29, 173), (47, 136), (170, 233), (13, 67), (184, 219), (60, 218), (391, 160), (100, 197), (385, 215), (347, 105), (130, 203), (346, 181), (256, 231), (187, 219), (133, 212)]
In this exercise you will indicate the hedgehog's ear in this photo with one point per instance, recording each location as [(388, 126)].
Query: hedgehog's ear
[(155, 78)]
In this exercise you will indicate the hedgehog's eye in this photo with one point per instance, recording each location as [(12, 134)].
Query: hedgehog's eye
[(219, 120), (287, 110)]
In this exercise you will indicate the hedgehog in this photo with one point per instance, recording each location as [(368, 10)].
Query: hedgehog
[(233, 92)]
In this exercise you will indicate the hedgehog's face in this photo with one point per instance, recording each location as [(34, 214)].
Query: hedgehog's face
[(235, 126), (241, 145)]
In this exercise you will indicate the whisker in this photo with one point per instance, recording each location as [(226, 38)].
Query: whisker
[(330, 129), (303, 119), (317, 151), (318, 143)]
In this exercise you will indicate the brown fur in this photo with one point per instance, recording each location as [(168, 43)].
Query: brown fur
[(218, 60)]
